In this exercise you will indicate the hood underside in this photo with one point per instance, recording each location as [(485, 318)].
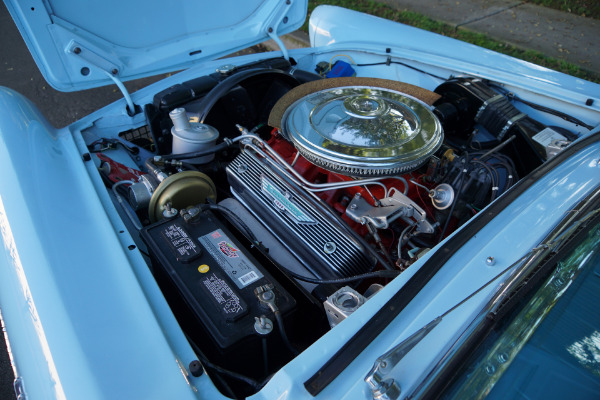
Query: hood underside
[(80, 45)]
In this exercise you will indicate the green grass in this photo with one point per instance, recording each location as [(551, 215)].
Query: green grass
[(584, 8), (479, 39)]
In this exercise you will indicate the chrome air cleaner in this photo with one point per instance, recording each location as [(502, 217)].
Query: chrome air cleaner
[(363, 131)]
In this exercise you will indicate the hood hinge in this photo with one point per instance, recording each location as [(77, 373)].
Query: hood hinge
[(109, 68), (19, 388), (273, 27)]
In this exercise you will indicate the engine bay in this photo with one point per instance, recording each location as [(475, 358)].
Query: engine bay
[(273, 199)]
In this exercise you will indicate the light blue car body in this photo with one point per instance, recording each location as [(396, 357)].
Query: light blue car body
[(84, 317)]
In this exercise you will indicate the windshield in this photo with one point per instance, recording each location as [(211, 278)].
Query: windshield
[(549, 347)]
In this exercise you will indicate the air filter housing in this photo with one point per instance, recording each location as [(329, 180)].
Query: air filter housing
[(363, 131)]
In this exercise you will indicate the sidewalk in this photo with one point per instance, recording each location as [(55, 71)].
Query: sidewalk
[(553, 33)]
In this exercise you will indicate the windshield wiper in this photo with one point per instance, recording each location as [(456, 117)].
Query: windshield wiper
[(380, 379), (540, 260), (380, 384)]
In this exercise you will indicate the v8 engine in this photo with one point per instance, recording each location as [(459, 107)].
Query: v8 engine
[(274, 203)]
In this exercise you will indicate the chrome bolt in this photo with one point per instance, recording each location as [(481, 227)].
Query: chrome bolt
[(267, 295), (329, 248), (386, 389), (226, 69), (263, 325), (169, 211), (242, 168), (490, 261), (502, 358)]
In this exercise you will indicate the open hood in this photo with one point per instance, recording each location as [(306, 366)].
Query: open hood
[(79, 45)]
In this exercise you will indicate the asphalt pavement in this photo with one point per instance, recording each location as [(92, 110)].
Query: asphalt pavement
[(553, 33)]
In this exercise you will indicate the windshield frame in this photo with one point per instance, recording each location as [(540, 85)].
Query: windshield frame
[(566, 236)]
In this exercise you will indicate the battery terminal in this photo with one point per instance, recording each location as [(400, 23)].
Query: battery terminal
[(266, 296), (263, 325)]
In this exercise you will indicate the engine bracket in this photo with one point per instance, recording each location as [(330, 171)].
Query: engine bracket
[(395, 206)]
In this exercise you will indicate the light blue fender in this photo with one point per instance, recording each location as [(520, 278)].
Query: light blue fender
[(339, 28), (78, 323)]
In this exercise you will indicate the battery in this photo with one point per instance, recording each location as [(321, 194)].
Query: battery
[(214, 275)]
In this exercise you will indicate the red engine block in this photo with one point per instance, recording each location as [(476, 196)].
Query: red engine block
[(338, 199)]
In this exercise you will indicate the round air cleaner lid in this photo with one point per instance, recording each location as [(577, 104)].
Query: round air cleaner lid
[(363, 131)]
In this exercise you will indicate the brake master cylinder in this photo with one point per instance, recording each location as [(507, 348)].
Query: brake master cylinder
[(191, 136)]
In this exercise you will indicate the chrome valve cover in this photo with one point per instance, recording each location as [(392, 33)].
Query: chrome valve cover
[(306, 227)]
